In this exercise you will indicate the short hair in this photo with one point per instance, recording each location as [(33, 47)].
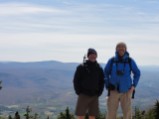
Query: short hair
[(91, 51), (121, 44)]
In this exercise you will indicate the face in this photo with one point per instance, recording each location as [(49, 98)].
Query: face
[(121, 50), (92, 57)]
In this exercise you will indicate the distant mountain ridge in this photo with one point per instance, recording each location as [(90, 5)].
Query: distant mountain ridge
[(40, 64), (52, 81)]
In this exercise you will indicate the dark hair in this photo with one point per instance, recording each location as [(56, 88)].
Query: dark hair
[(91, 51)]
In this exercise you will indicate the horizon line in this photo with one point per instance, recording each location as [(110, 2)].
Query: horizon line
[(58, 61)]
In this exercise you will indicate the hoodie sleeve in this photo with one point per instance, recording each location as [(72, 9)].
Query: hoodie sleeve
[(76, 80), (136, 73), (107, 72), (101, 82)]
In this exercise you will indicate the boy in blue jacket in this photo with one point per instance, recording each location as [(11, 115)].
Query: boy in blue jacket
[(119, 83)]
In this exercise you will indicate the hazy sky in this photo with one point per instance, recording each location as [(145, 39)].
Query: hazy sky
[(63, 30)]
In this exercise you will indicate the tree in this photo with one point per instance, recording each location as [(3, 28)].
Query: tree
[(66, 115), (9, 117), (138, 114), (149, 114), (27, 115), (17, 116), (100, 116), (156, 110), (35, 116)]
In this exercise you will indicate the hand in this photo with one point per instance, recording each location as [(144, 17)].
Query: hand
[(132, 89)]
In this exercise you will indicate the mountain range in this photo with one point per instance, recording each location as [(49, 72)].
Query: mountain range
[(49, 84)]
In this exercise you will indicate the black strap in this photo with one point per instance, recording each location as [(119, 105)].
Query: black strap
[(133, 95), (114, 61)]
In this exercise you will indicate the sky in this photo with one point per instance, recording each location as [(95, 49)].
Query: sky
[(63, 30)]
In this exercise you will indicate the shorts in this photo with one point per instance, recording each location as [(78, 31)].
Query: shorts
[(87, 105)]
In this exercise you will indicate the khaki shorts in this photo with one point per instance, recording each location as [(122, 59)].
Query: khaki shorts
[(87, 104)]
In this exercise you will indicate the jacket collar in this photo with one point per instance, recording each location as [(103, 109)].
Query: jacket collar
[(126, 56)]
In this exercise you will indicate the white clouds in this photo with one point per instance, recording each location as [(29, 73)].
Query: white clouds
[(78, 18), (71, 48), (35, 32), (7, 9)]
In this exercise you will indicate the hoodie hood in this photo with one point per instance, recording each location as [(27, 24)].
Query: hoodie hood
[(126, 55)]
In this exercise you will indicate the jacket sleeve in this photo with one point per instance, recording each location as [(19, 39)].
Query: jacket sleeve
[(107, 73), (101, 82), (136, 73), (76, 80)]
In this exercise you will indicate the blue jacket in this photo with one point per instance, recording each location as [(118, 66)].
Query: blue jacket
[(123, 82)]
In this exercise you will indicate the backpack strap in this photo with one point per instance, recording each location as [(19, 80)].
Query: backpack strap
[(112, 60), (85, 66), (129, 61)]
